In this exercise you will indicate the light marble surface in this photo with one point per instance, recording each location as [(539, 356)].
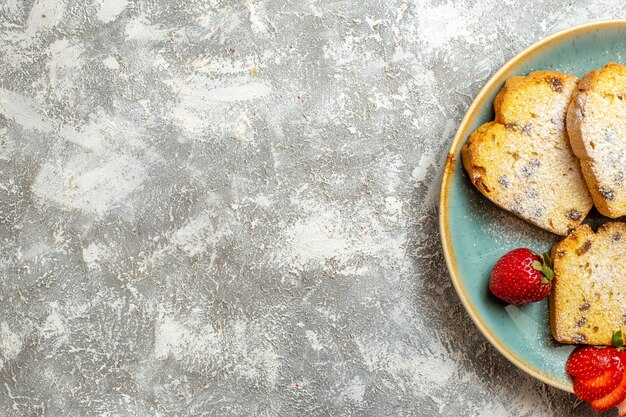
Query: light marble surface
[(229, 207)]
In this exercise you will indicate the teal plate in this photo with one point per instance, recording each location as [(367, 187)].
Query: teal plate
[(475, 233)]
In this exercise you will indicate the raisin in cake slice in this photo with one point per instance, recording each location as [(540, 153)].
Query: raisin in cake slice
[(522, 161), (588, 298), (596, 122)]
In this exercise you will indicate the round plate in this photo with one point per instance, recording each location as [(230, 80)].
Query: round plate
[(475, 233)]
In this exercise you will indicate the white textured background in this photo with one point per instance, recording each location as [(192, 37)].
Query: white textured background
[(228, 207)]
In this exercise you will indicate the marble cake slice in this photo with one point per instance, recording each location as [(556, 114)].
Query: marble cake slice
[(588, 297), (522, 161), (596, 123)]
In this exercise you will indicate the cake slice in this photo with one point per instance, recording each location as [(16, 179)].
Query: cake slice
[(588, 298), (522, 161), (596, 122)]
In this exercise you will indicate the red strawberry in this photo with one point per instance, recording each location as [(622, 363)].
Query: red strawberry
[(589, 362), (599, 374), (621, 408), (521, 277), (598, 387), (613, 398)]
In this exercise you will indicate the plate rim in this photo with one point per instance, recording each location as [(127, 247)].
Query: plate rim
[(449, 167)]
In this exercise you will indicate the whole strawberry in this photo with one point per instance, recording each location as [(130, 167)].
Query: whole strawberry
[(521, 277)]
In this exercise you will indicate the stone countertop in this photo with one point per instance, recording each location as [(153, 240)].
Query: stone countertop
[(229, 207)]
